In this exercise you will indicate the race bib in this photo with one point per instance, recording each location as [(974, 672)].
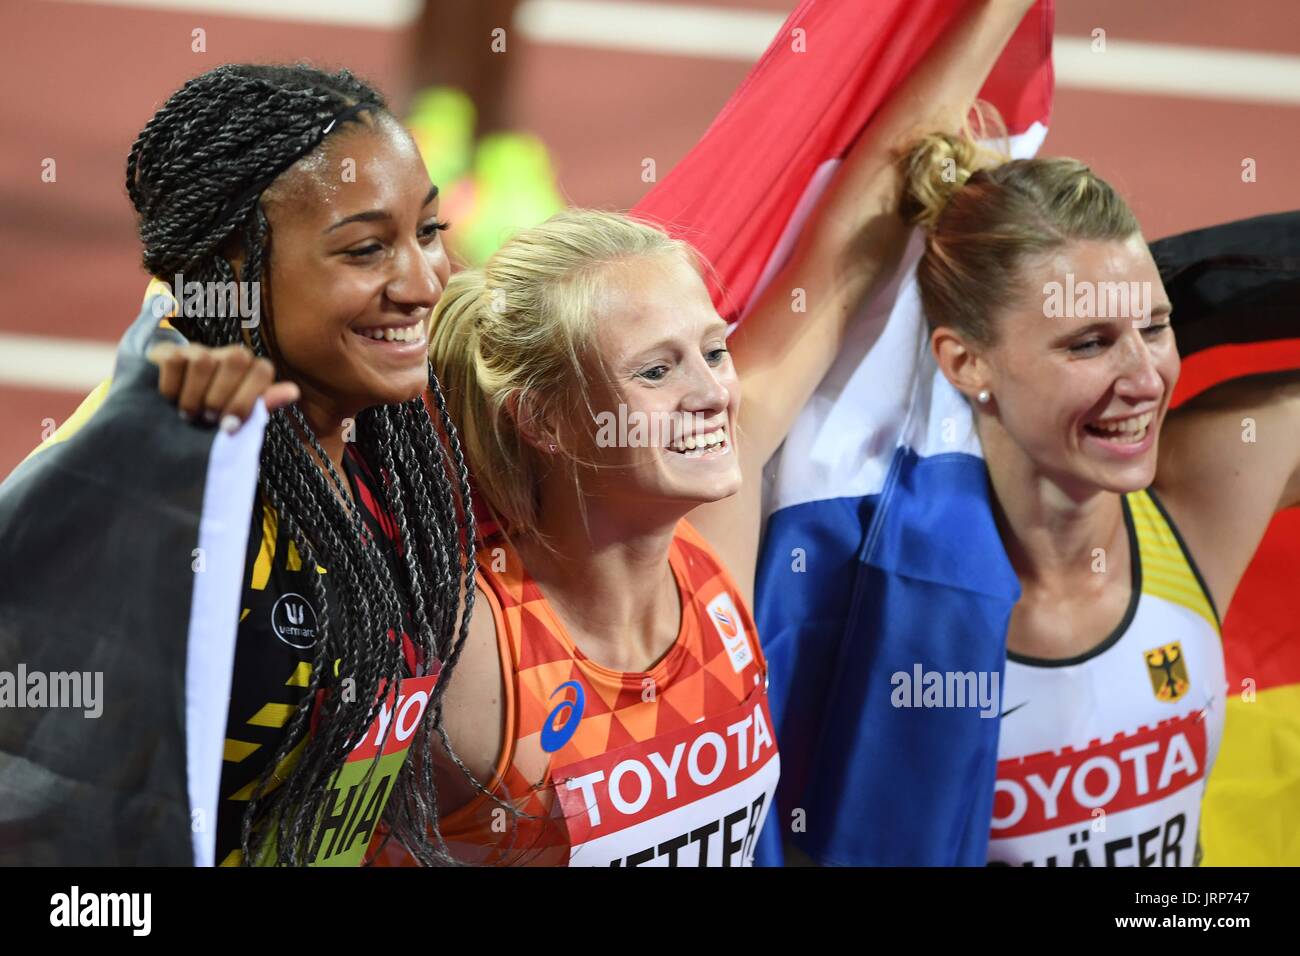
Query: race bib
[(1133, 800), (694, 797), (355, 804)]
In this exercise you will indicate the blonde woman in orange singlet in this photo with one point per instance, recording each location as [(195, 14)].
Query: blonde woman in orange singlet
[(609, 707)]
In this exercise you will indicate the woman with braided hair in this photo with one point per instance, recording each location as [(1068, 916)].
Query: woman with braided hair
[(299, 183)]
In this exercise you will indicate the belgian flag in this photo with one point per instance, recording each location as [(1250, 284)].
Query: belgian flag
[(122, 544)]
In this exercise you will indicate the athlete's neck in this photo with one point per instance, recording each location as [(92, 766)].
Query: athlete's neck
[(1051, 530), (331, 427), (608, 578)]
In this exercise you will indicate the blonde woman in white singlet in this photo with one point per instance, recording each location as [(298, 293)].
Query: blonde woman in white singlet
[(1128, 526)]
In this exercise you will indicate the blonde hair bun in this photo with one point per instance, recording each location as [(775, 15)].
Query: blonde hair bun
[(935, 167)]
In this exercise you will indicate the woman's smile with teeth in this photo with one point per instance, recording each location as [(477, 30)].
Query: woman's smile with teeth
[(707, 443), (1123, 430), (394, 333)]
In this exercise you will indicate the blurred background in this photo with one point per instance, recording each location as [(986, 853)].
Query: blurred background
[(1186, 92)]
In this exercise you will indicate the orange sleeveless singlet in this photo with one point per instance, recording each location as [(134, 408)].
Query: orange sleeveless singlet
[(675, 766)]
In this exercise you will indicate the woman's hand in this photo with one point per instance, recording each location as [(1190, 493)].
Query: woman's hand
[(218, 384)]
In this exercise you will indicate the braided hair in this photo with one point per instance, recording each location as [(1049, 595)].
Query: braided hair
[(196, 175)]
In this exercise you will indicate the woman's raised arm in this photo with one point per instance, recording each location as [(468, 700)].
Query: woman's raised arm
[(850, 247), (855, 238)]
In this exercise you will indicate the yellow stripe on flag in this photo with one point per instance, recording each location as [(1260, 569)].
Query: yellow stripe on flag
[(89, 405), (1251, 815)]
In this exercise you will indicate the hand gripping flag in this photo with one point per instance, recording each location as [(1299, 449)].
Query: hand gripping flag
[(868, 489), (122, 546)]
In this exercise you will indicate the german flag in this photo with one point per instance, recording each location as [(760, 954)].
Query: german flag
[(1235, 290)]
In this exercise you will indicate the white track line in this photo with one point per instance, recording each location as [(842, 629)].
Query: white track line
[(44, 362), (1166, 69), (721, 33), (378, 14), (697, 30)]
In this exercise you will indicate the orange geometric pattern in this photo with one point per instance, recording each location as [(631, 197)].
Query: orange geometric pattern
[(698, 678)]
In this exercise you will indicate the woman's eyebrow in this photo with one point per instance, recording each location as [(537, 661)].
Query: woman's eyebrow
[(371, 215), (643, 354)]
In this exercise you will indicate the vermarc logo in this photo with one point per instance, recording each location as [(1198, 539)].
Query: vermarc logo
[(294, 621)]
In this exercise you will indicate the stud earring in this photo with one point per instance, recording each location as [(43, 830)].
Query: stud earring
[(983, 397), (552, 447)]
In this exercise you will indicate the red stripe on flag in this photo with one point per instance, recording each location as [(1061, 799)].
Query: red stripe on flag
[(1261, 634), (735, 192), (1206, 369)]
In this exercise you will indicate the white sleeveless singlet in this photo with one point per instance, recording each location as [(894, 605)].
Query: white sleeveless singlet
[(1103, 758)]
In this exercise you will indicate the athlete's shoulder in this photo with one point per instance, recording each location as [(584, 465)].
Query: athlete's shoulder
[(718, 600), (706, 574)]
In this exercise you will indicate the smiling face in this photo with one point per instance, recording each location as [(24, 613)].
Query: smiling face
[(1080, 390), (356, 268), (664, 388)]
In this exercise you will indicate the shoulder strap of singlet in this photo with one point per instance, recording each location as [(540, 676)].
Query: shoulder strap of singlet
[(1168, 570), (688, 537)]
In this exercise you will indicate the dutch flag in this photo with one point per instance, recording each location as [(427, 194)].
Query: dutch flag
[(880, 549)]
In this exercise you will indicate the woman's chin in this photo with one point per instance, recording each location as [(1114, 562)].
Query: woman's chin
[(1122, 480), (705, 494), (683, 497), (398, 393)]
